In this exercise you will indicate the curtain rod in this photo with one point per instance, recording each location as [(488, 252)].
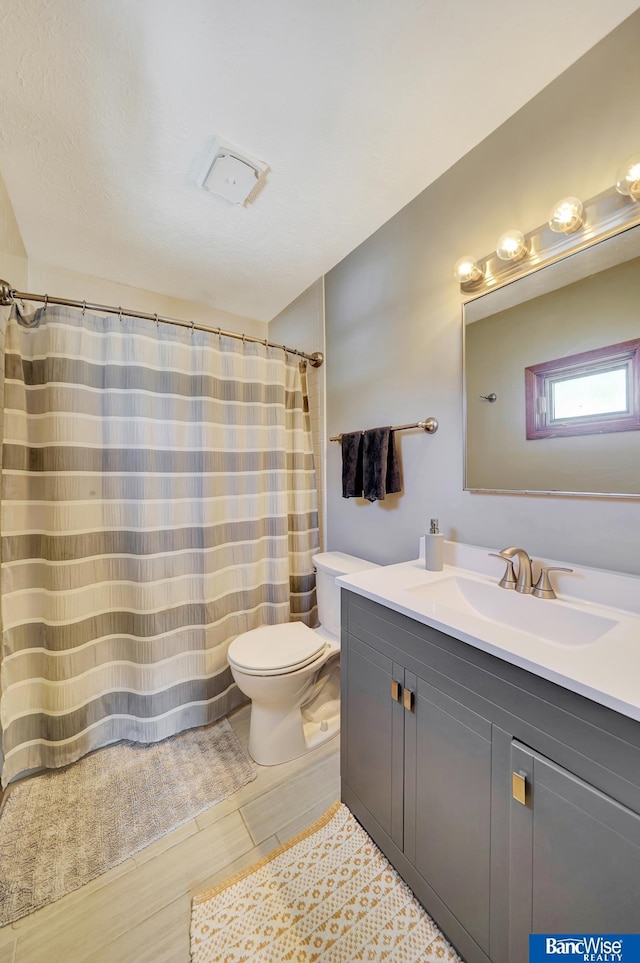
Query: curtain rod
[(8, 295), (430, 425)]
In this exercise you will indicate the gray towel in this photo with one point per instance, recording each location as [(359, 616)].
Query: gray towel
[(381, 471), (352, 465)]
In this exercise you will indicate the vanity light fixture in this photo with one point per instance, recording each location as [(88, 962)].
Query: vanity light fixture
[(605, 214), (628, 178), (467, 270), (512, 246), (567, 216)]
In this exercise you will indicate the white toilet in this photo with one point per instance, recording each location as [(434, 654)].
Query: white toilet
[(292, 673)]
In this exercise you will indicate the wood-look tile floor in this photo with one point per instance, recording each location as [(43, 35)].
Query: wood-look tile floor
[(139, 912)]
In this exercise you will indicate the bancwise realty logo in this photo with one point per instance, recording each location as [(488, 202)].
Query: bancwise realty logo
[(585, 948)]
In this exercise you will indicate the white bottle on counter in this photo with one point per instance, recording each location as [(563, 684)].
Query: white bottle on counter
[(434, 548)]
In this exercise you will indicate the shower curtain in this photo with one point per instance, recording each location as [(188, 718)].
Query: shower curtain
[(158, 498)]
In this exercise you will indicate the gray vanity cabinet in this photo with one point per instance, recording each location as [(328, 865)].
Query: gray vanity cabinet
[(574, 856), (509, 804), (372, 750), (416, 771), (448, 802)]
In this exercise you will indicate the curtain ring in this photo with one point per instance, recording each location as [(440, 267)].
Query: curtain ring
[(243, 337), (84, 308), (156, 319), (220, 333), (120, 315), (46, 303), (192, 327)]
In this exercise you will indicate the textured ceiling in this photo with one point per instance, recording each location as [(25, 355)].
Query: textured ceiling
[(107, 108)]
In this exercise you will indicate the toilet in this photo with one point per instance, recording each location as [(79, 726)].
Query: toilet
[(291, 673)]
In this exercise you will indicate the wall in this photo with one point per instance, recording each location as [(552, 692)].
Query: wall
[(301, 325), (25, 274), (394, 327), (13, 257), (47, 279)]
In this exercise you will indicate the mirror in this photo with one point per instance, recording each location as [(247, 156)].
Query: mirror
[(573, 309)]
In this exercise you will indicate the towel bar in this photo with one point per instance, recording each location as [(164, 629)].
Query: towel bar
[(430, 425)]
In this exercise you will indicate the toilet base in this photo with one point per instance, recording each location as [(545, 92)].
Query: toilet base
[(277, 737), (315, 735)]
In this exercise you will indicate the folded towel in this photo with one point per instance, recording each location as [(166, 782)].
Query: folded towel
[(381, 471), (352, 465), (394, 481)]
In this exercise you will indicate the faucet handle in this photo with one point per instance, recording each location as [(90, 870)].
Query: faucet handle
[(543, 588), (508, 580)]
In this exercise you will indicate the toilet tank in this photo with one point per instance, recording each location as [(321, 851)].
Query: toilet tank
[(329, 566)]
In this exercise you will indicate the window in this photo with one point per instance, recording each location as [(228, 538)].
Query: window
[(584, 394)]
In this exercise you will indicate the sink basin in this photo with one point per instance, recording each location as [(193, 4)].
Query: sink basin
[(552, 620)]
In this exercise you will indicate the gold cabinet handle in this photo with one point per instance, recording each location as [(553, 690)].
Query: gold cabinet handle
[(519, 787), (408, 700), (395, 690)]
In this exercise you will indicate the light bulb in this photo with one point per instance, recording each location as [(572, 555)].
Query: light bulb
[(628, 179), (511, 246), (567, 215), (467, 270)]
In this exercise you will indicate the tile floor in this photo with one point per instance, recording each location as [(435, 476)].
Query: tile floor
[(139, 912)]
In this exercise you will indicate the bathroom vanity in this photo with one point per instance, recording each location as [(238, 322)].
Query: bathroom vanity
[(497, 765)]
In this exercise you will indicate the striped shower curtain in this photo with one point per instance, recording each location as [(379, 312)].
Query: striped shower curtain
[(158, 498)]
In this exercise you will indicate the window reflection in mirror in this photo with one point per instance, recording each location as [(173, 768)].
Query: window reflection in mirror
[(589, 395), (584, 394), (576, 326)]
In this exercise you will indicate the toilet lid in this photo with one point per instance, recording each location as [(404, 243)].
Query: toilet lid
[(276, 648)]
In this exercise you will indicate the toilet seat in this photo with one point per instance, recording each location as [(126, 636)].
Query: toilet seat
[(276, 649)]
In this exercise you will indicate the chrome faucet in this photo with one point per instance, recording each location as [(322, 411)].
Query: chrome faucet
[(523, 582)]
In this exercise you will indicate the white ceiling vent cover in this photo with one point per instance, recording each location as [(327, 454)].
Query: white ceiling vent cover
[(231, 174)]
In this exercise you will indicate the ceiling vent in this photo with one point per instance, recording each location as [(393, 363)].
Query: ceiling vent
[(231, 174)]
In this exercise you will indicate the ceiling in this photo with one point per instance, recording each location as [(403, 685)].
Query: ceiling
[(107, 110)]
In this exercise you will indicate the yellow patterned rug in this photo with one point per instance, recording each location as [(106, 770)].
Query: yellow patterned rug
[(327, 895)]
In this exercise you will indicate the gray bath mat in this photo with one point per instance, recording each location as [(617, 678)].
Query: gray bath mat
[(61, 829)]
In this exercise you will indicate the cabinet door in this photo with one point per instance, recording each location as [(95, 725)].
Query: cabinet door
[(574, 857), (373, 733), (448, 803)]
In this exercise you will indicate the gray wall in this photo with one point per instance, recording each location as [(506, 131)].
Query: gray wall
[(13, 257), (301, 325), (394, 327), (36, 277)]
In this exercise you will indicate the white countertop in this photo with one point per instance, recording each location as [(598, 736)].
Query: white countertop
[(606, 670)]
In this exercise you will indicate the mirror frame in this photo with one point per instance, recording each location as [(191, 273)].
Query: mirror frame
[(560, 263)]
